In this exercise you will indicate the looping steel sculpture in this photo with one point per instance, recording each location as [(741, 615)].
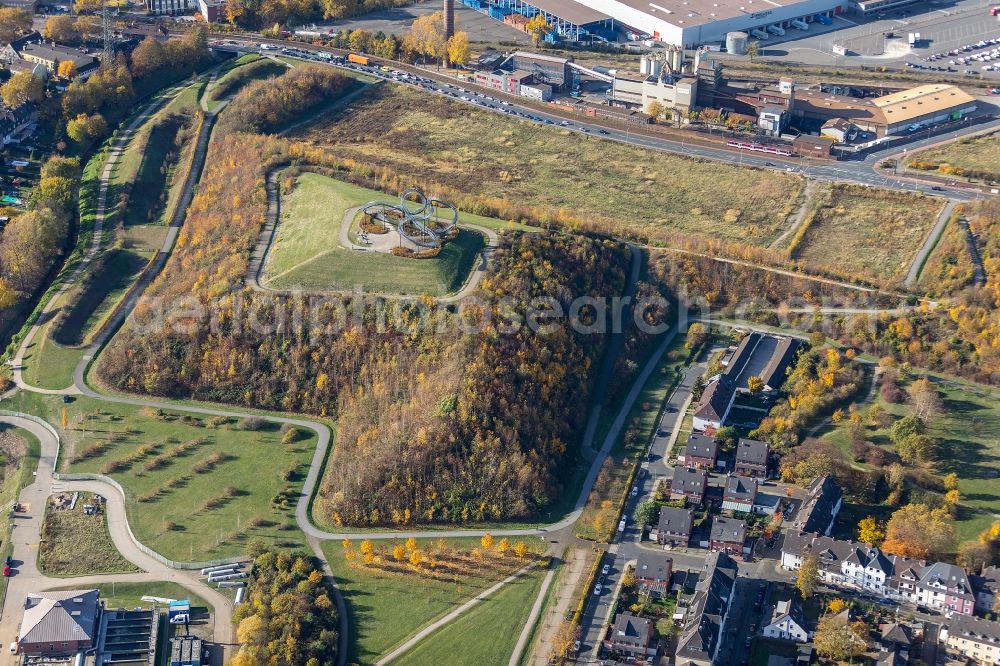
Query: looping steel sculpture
[(420, 223)]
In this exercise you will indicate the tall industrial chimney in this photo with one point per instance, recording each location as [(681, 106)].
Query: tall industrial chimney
[(449, 18), (449, 27)]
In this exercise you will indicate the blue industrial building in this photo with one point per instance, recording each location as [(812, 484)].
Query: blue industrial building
[(570, 21)]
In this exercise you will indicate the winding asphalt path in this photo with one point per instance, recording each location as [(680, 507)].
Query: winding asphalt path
[(26, 536), (100, 218), (116, 507), (929, 243)]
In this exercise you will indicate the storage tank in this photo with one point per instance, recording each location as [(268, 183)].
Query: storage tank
[(736, 42), (676, 56)]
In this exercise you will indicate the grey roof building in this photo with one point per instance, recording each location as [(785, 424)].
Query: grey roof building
[(715, 403), (751, 457), (728, 530), (987, 587), (739, 495), (819, 509), (57, 623), (689, 483), (765, 356), (705, 621), (674, 526), (701, 450), (632, 636)]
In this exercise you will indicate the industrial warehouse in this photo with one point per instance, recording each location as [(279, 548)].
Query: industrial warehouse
[(680, 85), (687, 23)]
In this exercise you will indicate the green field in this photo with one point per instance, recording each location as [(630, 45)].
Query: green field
[(970, 432), (75, 544), (484, 635), (245, 70), (976, 154), (307, 253), (605, 185), (129, 595), (875, 234), (177, 509), (386, 609), (105, 284)]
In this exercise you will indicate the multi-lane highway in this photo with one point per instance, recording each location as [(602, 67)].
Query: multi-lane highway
[(859, 171)]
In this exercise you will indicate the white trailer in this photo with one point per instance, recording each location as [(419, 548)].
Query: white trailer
[(775, 29), (759, 34), (220, 567), (239, 596), (800, 24), (232, 576), (230, 583)]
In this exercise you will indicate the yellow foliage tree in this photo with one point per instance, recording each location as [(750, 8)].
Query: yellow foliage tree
[(398, 552), (458, 48), (869, 531), (487, 541), (66, 69), (537, 27), (411, 544), (250, 629)]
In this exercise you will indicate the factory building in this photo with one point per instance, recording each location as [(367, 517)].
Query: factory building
[(687, 23), (896, 113), (665, 78)]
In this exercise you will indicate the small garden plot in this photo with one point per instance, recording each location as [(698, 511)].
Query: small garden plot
[(75, 538)]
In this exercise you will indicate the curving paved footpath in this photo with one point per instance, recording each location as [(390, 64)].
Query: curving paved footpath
[(26, 535), (100, 217), (920, 260)]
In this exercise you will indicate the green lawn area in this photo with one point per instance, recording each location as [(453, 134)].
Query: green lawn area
[(246, 69), (129, 595), (970, 432), (486, 634), (50, 365), (865, 232), (386, 609), (75, 544), (307, 252), (94, 299), (195, 490), (604, 184)]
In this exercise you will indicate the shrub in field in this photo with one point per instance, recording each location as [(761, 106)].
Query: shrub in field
[(253, 423)]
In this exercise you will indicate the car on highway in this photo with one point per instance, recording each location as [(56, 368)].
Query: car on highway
[(635, 491), (606, 569), (13, 647), (597, 590), (604, 131), (6, 571)]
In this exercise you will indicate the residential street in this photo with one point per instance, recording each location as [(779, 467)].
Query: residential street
[(627, 547)]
